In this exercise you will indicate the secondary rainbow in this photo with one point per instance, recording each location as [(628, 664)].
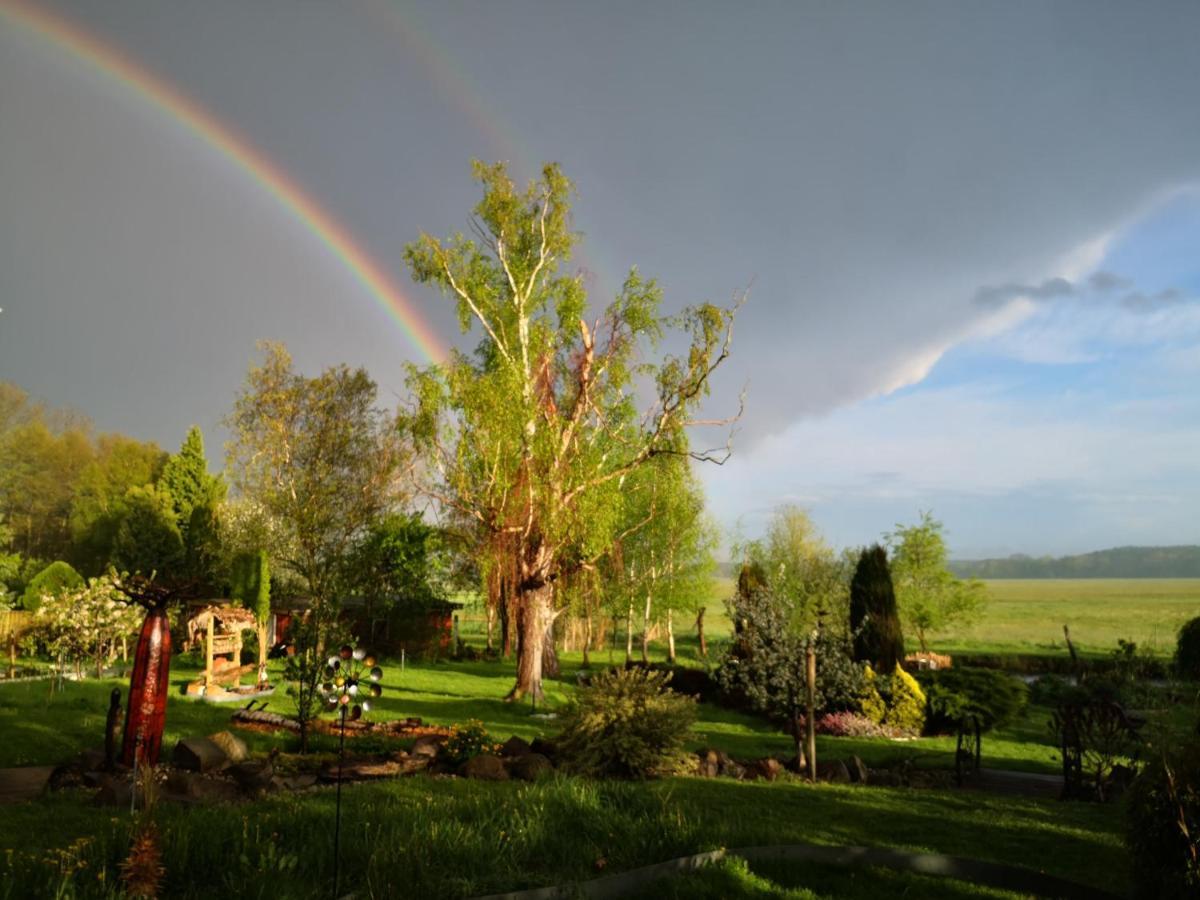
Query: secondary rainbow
[(111, 63)]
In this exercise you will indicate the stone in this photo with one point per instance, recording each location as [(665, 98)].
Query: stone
[(529, 766), (294, 782), (708, 763), (484, 767), (767, 768), (516, 746), (252, 775), (728, 767), (115, 792), (198, 755), (886, 778), (833, 770), (858, 770), (234, 747), (548, 749), (189, 787), (428, 745)]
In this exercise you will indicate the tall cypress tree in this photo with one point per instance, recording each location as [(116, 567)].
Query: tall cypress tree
[(878, 638), (186, 478)]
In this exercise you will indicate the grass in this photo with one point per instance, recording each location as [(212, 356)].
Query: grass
[(452, 838), (42, 727), (1027, 615)]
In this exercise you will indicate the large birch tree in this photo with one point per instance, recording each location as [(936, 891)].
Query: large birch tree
[(532, 434)]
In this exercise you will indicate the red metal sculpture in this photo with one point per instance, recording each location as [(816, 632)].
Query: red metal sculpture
[(148, 685)]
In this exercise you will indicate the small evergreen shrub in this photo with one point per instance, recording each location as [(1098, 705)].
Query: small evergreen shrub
[(55, 579), (896, 701), (984, 695), (874, 620), (628, 724), (1187, 650), (468, 741), (1162, 826)]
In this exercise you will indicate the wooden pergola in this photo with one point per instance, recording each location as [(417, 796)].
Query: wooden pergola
[(222, 628)]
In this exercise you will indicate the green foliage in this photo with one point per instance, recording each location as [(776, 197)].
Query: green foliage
[(627, 723), (930, 597), (315, 459), (894, 701), (250, 583), (467, 741), (1187, 650), (874, 621), (965, 696), (400, 562), (1162, 825), (148, 538), (55, 579), (186, 479)]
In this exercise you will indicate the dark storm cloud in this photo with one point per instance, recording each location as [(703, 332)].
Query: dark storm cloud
[(1097, 286), (866, 166)]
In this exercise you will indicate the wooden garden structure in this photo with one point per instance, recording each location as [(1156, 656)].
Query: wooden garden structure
[(221, 629)]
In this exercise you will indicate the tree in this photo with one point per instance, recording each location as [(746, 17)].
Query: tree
[(930, 597), (874, 622), (318, 459), (250, 584), (533, 434), (318, 463), (10, 566), (86, 622), (147, 540), (186, 479), (99, 501)]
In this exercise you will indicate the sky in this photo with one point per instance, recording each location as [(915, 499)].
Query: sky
[(968, 231)]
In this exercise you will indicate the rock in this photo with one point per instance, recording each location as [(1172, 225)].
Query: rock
[(708, 763), (234, 746), (858, 770), (252, 775), (728, 767), (115, 792), (428, 745), (189, 787), (293, 782), (410, 764), (516, 746), (797, 764), (548, 749), (886, 778), (767, 768), (198, 755), (484, 767), (833, 770), (529, 766)]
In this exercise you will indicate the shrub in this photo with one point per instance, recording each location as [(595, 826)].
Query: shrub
[(978, 696), (878, 638), (1049, 690), (851, 724), (895, 701), (1187, 650), (627, 723), (57, 578), (467, 741), (1162, 826)]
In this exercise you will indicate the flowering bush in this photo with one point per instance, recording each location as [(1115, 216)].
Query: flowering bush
[(84, 624), (467, 741), (852, 724)]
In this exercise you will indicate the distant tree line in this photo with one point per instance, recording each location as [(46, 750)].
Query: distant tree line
[(1119, 562)]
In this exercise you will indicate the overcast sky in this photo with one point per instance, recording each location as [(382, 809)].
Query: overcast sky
[(970, 230)]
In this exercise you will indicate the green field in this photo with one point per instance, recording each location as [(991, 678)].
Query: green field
[(1027, 616)]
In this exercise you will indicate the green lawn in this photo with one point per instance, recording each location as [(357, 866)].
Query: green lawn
[(44, 727), (452, 838)]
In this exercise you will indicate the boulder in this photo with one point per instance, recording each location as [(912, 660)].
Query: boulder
[(188, 787), (428, 745), (234, 746), (548, 749), (728, 767), (833, 770), (767, 768), (886, 778), (484, 767), (252, 775), (529, 766), (115, 792), (707, 764), (515, 746), (858, 770), (198, 755), (293, 782)]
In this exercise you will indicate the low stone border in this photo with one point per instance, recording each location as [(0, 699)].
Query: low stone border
[(974, 871)]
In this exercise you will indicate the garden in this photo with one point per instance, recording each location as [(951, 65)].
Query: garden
[(480, 645)]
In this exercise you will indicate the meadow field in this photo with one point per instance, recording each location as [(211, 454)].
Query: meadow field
[(1027, 615)]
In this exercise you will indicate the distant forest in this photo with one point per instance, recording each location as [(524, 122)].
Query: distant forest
[(1119, 562)]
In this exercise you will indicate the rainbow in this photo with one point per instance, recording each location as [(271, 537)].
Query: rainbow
[(318, 221)]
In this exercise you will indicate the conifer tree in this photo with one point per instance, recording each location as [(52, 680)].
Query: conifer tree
[(874, 621)]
